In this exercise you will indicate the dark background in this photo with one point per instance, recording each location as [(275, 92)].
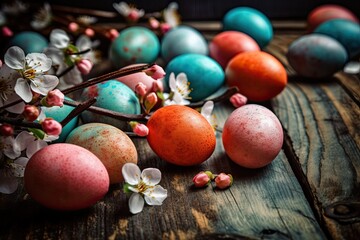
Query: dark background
[(216, 9)]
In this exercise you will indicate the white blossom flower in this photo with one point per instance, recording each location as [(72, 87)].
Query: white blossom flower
[(32, 69), (15, 7), (144, 186), (87, 20), (180, 90), (171, 15), (207, 112), (129, 12), (42, 18)]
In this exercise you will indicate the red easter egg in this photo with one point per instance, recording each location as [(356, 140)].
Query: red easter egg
[(327, 12), (226, 45), (258, 75)]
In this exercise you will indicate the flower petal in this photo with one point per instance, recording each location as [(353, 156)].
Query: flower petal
[(8, 184), (83, 43), (172, 82), (10, 148), (131, 173), (155, 195), (44, 84), (352, 67), (22, 89), (34, 147), (136, 203), (18, 167), (151, 176), (18, 108), (39, 62), (15, 58), (207, 109), (59, 38), (24, 139), (56, 55)]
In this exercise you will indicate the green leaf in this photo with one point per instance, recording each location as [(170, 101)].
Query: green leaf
[(38, 133)]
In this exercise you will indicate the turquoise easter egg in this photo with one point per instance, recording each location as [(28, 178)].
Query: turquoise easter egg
[(347, 32), (59, 114), (204, 74), (182, 40), (134, 45), (30, 42), (250, 21), (316, 56), (112, 95)]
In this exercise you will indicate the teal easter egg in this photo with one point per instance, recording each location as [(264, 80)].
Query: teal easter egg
[(250, 21), (134, 45), (59, 114), (316, 56), (30, 42), (182, 40), (112, 95), (347, 32), (204, 74)]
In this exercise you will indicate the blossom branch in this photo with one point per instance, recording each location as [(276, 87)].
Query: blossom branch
[(77, 110), (20, 122)]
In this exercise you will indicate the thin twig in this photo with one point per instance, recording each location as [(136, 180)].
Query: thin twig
[(226, 95), (20, 122), (77, 110), (65, 71)]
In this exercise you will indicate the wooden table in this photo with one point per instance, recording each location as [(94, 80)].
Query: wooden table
[(310, 191)]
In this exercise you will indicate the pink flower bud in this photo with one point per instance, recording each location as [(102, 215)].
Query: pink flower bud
[(54, 98), (51, 126), (165, 27), (73, 26), (112, 34), (31, 113), (133, 15), (6, 31), (139, 129), (154, 24), (89, 32), (202, 179), (140, 89), (223, 180), (155, 71), (150, 101), (238, 100), (84, 66), (158, 86), (6, 130)]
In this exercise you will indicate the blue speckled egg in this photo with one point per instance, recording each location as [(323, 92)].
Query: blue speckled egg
[(205, 75), (30, 42), (316, 55), (59, 114), (182, 40), (250, 21), (345, 31), (134, 45), (112, 95)]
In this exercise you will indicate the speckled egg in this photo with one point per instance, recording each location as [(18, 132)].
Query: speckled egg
[(65, 177), (345, 31), (134, 45), (226, 45), (252, 136), (112, 95), (182, 40), (111, 145), (30, 42), (316, 56), (59, 114), (205, 75), (250, 21)]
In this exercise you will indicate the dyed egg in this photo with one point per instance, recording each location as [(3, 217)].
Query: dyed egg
[(250, 21), (111, 145), (252, 136), (112, 95), (182, 40), (226, 45), (180, 135), (345, 31), (204, 74), (132, 80), (134, 45), (30, 42), (258, 75), (316, 56), (327, 12), (59, 114), (65, 177)]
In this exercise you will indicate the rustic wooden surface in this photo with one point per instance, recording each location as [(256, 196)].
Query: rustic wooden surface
[(292, 198)]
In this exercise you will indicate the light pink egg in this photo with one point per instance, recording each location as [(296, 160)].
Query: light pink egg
[(132, 80), (252, 136), (65, 177)]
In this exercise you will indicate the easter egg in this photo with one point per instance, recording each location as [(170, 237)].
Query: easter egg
[(250, 21), (65, 177), (345, 31), (59, 114), (182, 40), (134, 45), (327, 12), (111, 145), (112, 95), (258, 75), (226, 45), (203, 73), (180, 135), (252, 136), (30, 42), (316, 56)]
